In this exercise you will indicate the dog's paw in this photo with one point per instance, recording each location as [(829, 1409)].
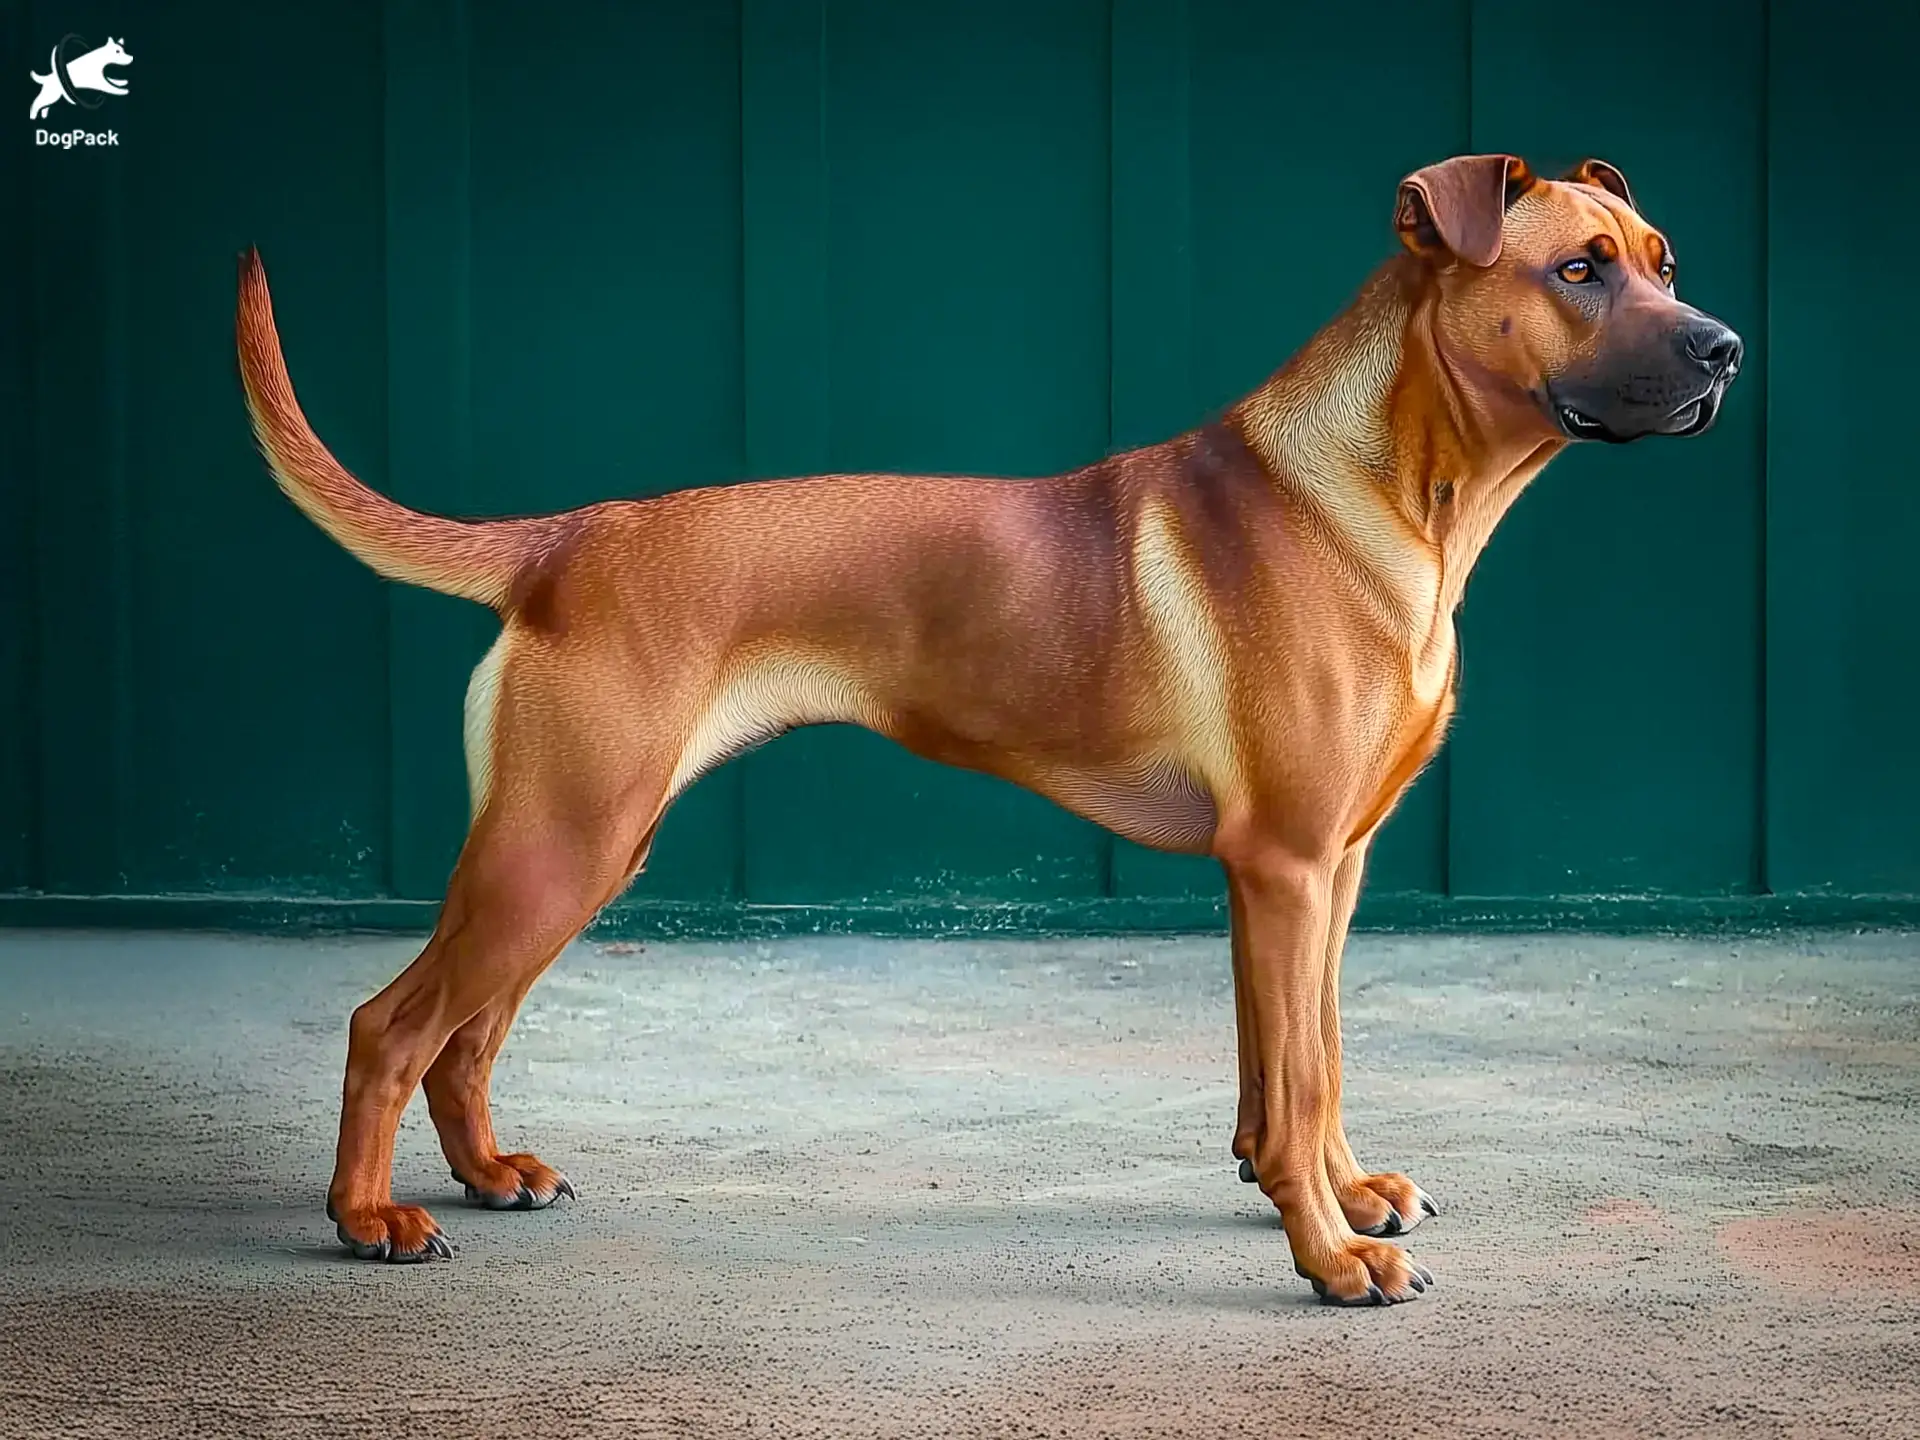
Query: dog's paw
[(516, 1182), (1366, 1272), (1386, 1204), (397, 1234)]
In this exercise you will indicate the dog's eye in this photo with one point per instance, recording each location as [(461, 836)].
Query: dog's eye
[(1577, 272), (1666, 273)]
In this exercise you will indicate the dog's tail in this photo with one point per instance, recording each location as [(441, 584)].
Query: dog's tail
[(478, 560)]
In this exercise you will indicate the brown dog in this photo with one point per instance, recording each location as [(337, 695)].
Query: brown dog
[(1237, 643)]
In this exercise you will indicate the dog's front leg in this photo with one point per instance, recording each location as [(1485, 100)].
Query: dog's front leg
[(1385, 1204), (1252, 1111), (1283, 905), (1342, 1169)]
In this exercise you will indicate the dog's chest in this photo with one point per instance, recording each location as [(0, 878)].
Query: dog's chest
[(1418, 740), (1431, 671)]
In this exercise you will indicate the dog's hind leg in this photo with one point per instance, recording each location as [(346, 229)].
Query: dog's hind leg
[(457, 1086), (568, 805), (458, 1082)]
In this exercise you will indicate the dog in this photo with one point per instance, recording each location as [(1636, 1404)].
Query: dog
[(1237, 643), (87, 72)]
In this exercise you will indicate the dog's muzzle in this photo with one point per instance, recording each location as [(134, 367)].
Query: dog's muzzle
[(1680, 395)]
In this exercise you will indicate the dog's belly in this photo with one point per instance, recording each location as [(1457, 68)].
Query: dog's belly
[(1153, 803)]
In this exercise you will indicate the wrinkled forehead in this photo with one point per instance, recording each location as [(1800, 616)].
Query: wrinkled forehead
[(1557, 218)]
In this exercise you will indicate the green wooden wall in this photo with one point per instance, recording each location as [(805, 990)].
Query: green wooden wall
[(527, 257)]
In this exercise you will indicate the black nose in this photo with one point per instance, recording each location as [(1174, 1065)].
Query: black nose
[(1716, 348)]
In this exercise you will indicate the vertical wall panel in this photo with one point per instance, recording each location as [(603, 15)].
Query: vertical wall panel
[(256, 707), (19, 739), (256, 650), (1610, 725), (1152, 244), (78, 428), (208, 664), (968, 294), (783, 160), (606, 311), (1843, 782)]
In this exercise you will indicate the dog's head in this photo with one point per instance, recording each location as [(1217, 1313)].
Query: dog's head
[(109, 56), (1559, 290)]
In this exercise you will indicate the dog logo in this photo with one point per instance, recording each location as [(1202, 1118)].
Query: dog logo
[(72, 75)]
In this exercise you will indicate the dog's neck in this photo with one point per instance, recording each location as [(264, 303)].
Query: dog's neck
[(1392, 440)]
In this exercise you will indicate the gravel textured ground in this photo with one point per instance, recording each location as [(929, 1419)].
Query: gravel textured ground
[(855, 1188)]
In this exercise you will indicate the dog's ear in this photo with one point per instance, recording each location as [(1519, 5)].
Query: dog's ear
[(1459, 206), (1604, 176)]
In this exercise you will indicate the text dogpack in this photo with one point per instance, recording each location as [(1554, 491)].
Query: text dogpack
[(68, 139)]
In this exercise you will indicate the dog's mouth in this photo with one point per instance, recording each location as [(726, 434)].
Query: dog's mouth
[(1581, 426), (1577, 424), (1696, 415), (1688, 419)]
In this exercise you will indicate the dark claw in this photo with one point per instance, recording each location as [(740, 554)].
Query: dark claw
[(1319, 1287), (362, 1249), (1425, 1275), (1426, 1202), (1419, 1285), (521, 1199), (435, 1247), (1375, 1294), (1392, 1225), (1246, 1173)]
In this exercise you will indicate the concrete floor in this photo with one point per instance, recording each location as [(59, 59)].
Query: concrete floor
[(851, 1188)]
